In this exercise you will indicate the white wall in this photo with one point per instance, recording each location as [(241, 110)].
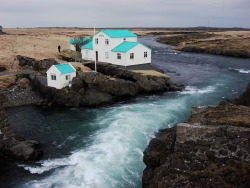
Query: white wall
[(72, 47), (60, 81), (53, 83), (63, 81), (88, 54), (101, 47), (139, 58), (138, 51)]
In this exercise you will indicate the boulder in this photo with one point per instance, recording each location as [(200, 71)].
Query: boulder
[(27, 150), (242, 99), (38, 65), (44, 64), (77, 84)]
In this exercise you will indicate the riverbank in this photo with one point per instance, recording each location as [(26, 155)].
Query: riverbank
[(210, 150), (227, 43), (89, 89)]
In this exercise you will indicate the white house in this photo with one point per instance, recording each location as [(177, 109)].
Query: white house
[(60, 75), (118, 47)]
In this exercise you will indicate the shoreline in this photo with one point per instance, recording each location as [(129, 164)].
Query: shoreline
[(110, 85), (214, 143), (232, 44)]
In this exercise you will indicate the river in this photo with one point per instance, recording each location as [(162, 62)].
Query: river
[(103, 147)]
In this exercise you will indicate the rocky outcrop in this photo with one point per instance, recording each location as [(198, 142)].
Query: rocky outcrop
[(37, 65), (210, 150), (106, 86), (20, 93), (145, 83), (243, 99), (21, 149), (208, 43), (217, 51)]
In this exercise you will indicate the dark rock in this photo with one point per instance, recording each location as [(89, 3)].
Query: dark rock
[(77, 84), (38, 65), (44, 64), (211, 150), (143, 83), (243, 99), (27, 150), (2, 69), (10, 145)]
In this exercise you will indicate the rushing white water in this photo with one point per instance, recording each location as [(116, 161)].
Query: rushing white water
[(240, 70), (114, 156), (103, 147)]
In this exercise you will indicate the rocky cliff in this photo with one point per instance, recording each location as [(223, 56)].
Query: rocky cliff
[(106, 86), (211, 150), (19, 148)]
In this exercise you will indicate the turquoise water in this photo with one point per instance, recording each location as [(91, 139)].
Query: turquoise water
[(103, 147)]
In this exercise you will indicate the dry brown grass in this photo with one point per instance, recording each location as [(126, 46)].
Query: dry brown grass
[(151, 73), (227, 40), (21, 41), (77, 65), (6, 81)]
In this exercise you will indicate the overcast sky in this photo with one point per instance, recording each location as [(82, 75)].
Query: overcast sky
[(125, 13)]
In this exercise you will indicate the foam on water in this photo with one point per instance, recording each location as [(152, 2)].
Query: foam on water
[(244, 71), (195, 90)]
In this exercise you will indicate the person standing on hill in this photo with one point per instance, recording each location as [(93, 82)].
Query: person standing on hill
[(59, 48)]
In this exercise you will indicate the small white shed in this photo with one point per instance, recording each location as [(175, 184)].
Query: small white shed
[(60, 75)]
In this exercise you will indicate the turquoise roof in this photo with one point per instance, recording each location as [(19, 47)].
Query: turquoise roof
[(118, 33), (79, 40), (65, 68), (125, 46), (89, 45)]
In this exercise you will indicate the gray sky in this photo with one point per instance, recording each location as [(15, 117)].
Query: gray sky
[(125, 13)]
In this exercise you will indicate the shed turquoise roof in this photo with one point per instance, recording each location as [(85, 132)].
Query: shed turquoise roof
[(79, 40), (118, 33), (65, 68), (89, 45)]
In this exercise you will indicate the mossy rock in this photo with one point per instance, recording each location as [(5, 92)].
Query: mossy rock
[(68, 55)]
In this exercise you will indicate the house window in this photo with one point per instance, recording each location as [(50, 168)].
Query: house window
[(124, 39), (96, 41), (106, 55), (106, 42), (119, 56), (67, 77), (131, 55), (53, 77), (145, 54)]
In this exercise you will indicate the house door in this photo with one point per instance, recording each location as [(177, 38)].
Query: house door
[(96, 55)]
